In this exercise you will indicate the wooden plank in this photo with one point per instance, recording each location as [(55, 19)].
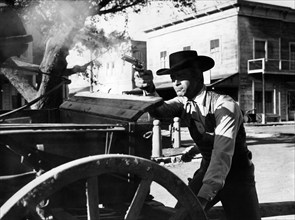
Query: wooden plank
[(123, 103), (71, 127), (116, 112), (69, 116), (132, 102), (18, 120), (121, 107), (118, 96)]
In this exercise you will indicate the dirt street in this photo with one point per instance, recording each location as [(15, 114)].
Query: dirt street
[(273, 148)]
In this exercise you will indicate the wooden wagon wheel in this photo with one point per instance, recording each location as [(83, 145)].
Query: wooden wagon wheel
[(91, 168)]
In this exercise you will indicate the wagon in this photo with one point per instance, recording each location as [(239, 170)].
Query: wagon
[(89, 159)]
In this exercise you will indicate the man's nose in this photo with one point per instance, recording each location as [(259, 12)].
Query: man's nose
[(177, 82)]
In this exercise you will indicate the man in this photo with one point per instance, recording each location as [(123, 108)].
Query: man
[(215, 124)]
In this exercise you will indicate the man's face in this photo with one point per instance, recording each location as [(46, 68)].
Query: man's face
[(187, 82)]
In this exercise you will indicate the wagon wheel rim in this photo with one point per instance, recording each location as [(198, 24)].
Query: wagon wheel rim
[(42, 187)]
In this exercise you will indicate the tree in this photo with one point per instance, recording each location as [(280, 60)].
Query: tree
[(59, 24)]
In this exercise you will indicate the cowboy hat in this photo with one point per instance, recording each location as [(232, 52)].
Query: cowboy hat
[(183, 59)]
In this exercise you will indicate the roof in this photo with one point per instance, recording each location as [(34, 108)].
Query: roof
[(221, 80), (288, 13)]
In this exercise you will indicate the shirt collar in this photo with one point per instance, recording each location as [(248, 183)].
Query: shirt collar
[(200, 97)]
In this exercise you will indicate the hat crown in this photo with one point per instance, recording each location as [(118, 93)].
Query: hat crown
[(182, 56), (186, 58)]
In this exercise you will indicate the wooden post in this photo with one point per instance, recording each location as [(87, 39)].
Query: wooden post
[(176, 132), (157, 139), (263, 100), (275, 100), (253, 94), (279, 104)]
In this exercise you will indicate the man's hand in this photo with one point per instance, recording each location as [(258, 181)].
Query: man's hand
[(76, 69), (190, 153), (144, 80), (83, 68)]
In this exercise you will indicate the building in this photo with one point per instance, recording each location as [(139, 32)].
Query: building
[(253, 45), (110, 73), (117, 75)]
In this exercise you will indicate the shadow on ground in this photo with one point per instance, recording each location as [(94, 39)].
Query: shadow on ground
[(277, 138)]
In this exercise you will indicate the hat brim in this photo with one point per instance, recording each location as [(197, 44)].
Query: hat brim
[(205, 63)]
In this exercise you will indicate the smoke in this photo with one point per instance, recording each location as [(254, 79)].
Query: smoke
[(62, 20), (56, 19), (103, 40), (67, 23), (103, 34)]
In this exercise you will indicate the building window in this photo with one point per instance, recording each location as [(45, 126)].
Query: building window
[(292, 56), (187, 48), (291, 100), (138, 55), (163, 59), (214, 45), (215, 50), (260, 49), (268, 101)]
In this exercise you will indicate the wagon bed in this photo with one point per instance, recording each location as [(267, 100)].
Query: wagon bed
[(96, 145)]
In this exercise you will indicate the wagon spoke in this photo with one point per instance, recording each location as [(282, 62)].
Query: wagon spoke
[(92, 198), (60, 214), (180, 214), (138, 199)]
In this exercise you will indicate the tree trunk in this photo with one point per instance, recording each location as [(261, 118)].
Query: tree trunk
[(52, 68), (54, 65), (17, 73)]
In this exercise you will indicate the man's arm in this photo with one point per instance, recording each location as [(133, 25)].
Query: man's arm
[(228, 121), (144, 80), (76, 69)]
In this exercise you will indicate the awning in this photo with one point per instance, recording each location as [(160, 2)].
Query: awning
[(163, 85), (168, 84), (224, 79), (214, 82)]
